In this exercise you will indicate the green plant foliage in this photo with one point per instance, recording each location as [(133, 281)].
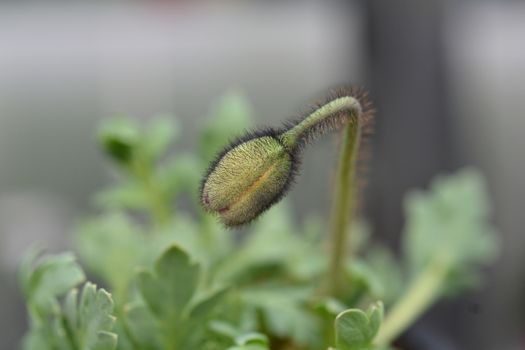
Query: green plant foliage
[(356, 329), (238, 339), (447, 237), (89, 318), (44, 280), (83, 323), (120, 139), (230, 116), (168, 290), (450, 224), (101, 243), (180, 280), (170, 294)]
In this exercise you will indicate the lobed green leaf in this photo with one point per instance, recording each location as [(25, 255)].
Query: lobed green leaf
[(356, 329)]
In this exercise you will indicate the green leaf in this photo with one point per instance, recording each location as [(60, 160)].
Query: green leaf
[(387, 274), (224, 329), (296, 255), (125, 195), (141, 325), (249, 347), (228, 118), (112, 247), (251, 341), (285, 313), (356, 329), (241, 340), (36, 340), (252, 338), (26, 269), (377, 275), (450, 223), (45, 280), (205, 304), (169, 288), (161, 131), (180, 174), (90, 319), (330, 307), (119, 138)]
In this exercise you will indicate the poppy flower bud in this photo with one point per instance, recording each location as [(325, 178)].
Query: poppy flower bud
[(256, 171), (247, 178)]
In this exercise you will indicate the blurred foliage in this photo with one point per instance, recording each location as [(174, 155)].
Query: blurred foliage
[(356, 329), (75, 322), (449, 224), (179, 280)]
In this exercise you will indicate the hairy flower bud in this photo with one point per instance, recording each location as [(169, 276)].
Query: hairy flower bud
[(256, 171), (247, 178)]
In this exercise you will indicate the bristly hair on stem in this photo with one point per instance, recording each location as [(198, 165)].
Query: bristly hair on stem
[(329, 114), (256, 170)]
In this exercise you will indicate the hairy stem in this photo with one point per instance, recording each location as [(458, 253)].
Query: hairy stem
[(320, 117), (421, 294), (343, 206), (347, 111)]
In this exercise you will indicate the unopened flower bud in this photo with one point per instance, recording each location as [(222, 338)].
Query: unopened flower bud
[(247, 178), (256, 171)]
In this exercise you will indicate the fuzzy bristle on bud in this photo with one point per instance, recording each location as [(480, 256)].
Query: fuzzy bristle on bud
[(247, 179)]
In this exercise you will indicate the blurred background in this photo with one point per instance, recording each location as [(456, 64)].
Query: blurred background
[(447, 77)]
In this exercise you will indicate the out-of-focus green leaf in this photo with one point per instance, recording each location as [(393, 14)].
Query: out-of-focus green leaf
[(356, 329), (330, 306), (251, 341), (285, 313), (126, 195), (260, 252), (26, 269), (183, 233), (180, 174), (122, 139), (168, 290), (240, 340), (141, 326), (43, 280), (228, 118), (387, 272), (112, 247), (376, 276), (450, 223), (295, 255), (119, 137), (204, 304), (159, 134), (181, 311), (72, 324), (90, 319)]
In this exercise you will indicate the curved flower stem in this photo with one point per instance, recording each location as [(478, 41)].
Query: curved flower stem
[(318, 120), (343, 207), (328, 116)]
